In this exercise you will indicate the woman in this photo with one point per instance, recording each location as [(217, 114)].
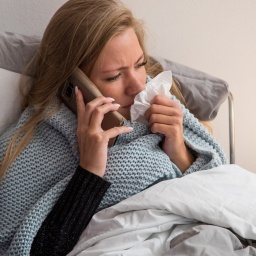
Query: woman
[(53, 163)]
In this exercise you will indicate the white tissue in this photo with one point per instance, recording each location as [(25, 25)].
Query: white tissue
[(161, 84)]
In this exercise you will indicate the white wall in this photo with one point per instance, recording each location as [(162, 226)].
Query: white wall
[(217, 37)]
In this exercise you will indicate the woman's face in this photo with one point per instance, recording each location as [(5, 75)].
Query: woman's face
[(119, 71)]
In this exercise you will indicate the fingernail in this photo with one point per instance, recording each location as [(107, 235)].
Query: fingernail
[(117, 105), (76, 90), (110, 99)]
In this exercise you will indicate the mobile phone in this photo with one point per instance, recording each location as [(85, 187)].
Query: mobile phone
[(90, 92)]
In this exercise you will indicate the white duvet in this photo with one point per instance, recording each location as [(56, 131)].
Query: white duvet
[(146, 223)]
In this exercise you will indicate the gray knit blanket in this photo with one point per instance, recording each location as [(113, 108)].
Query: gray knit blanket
[(41, 172)]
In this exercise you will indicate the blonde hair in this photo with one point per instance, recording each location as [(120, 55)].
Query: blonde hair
[(74, 37)]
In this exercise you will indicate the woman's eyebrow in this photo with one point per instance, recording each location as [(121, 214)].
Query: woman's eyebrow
[(125, 67)]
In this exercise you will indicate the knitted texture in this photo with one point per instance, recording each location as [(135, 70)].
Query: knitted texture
[(41, 172), (35, 180), (137, 161)]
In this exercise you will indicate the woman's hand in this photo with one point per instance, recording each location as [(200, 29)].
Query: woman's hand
[(92, 139), (165, 116)]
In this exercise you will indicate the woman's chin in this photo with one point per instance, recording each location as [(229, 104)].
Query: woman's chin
[(125, 112)]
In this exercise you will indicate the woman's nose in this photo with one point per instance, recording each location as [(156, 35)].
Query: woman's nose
[(135, 85)]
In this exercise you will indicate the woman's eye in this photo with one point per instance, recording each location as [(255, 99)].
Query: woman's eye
[(113, 78), (141, 64)]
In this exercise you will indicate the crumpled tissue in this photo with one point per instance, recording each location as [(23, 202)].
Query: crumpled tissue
[(161, 84)]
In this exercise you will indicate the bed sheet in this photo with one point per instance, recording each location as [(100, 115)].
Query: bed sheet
[(212, 207)]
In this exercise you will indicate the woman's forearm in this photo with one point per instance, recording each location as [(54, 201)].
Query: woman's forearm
[(71, 214), (182, 157), (184, 160)]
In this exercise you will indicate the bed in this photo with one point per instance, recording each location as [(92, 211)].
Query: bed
[(205, 213)]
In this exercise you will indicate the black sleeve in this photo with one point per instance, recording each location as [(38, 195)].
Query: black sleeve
[(71, 214)]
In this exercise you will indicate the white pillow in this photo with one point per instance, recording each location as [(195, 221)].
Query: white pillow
[(10, 103)]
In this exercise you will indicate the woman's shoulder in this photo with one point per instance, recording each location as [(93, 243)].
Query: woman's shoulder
[(10, 128)]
